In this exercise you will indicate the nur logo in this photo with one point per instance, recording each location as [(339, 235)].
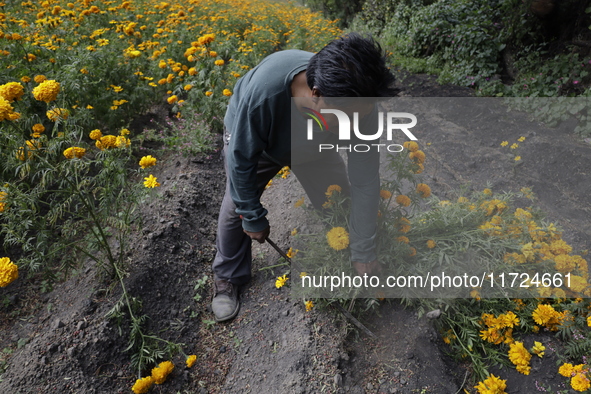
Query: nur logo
[(345, 126), (317, 116)]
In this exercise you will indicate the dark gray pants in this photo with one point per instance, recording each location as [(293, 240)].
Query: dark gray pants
[(234, 255)]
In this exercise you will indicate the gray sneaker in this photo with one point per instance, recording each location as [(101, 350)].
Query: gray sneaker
[(225, 303)]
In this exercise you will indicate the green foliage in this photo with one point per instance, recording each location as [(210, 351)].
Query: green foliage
[(342, 10), (499, 47)]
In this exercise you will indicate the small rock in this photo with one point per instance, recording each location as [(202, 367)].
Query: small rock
[(370, 386), (285, 313), (223, 349), (70, 352), (433, 314), (43, 360), (57, 323), (402, 381), (338, 380), (81, 325), (393, 390)]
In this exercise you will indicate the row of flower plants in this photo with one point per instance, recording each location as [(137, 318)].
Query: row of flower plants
[(74, 76), (500, 232)]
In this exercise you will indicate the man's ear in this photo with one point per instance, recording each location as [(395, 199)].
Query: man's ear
[(316, 92)]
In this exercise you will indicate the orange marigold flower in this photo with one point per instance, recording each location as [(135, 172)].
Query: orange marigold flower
[(411, 146), (12, 91), (403, 200), (74, 152), (424, 190)]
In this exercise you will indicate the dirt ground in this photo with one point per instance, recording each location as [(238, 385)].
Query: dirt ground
[(61, 342)]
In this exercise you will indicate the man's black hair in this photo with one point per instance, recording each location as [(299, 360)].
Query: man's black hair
[(351, 66)]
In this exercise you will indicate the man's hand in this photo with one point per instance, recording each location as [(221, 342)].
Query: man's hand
[(259, 236), (371, 268)]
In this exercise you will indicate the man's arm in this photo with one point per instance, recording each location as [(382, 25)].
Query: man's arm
[(248, 139)]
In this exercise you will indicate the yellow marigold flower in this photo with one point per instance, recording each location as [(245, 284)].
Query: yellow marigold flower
[(431, 244), (188, 87), (57, 113), (2, 203), (291, 253), (521, 139), (514, 146), (31, 146), (95, 134), (424, 190), (338, 238), (294, 232), (417, 156), (487, 191), (517, 158), (519, 356), (331, 189), (206, 39), (538, 349), (208, 93), (161, 372), (544, 314), (191, 360), (172, 99), (227, 92), (412, 252), (122, 142), (403, 239), (74, 152), (403, 225), (124, 131), (589, 320), (46, 91), (108, 141), (504, 143), (492, 385), (219, 62), (142, 385), (309, 306), (411, 146), (213, 53), (280, 282), (12, 91), (580, 382), (5, 109), (8, 272), (151, 181), (39, 78), (463, 200), (148, 161), (403, 200), (26, 79), (566, 370), (38, 128), (577, 283), (385, 194), (299, 202), (192, 71)]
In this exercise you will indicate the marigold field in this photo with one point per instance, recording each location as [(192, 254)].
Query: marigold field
[(76, 74)]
